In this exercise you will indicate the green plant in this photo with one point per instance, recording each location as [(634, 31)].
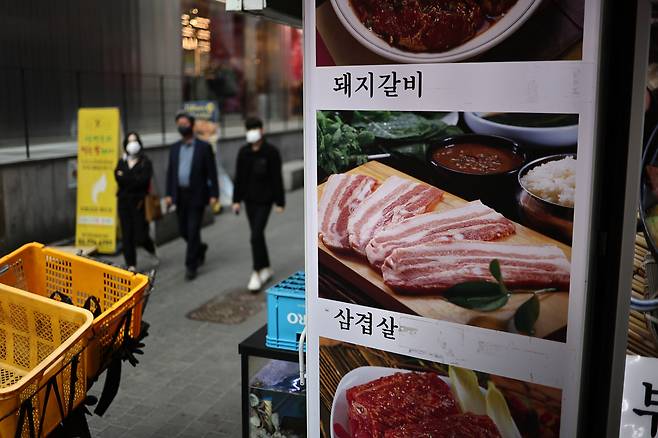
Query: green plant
[(339, 144), (487, 296)]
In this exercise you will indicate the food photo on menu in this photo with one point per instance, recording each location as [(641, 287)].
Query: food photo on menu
[(370, 393), (370, 32), (461, 217)]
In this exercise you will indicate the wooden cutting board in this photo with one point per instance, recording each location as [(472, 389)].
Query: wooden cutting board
[(357, 271)]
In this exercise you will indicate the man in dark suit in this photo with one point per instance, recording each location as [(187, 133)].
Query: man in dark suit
[(191, 185)]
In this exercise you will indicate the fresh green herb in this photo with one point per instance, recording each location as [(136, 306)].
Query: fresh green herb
[(479, 295), (494, 268), (487, 296), (526, 315), (407, 126), (364, 117), (339, 144)]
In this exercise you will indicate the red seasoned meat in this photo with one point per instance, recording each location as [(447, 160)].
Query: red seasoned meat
[(393, 401), (421, 25), (455, 426), (494, 8)]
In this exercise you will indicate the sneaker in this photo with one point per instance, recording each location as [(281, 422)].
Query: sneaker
[(265, 275), (132, 269), (254, 282), (190, 274)]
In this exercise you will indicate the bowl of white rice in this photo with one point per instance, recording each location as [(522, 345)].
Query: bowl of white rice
[(547, 194)]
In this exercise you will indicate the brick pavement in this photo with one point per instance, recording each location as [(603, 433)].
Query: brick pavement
[(187, 384)]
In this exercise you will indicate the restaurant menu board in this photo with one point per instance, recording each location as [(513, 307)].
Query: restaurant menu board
[(449, 157)]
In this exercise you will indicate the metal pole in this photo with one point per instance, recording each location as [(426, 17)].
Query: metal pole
[(162, 110), (26, 130)]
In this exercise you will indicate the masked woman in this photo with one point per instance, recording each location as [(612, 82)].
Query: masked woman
[(133, 174)]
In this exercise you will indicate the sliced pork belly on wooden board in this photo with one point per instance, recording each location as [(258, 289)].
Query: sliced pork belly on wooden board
[(474, 221), (395, 200), (342, 194), (434, 267)]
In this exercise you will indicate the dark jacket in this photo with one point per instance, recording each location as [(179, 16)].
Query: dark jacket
[(133, 183), (258, 176), (203, 175)]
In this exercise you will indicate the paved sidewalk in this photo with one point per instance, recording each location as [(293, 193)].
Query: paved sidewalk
[(187, 383)]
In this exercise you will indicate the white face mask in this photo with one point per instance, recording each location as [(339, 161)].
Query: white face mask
[(253, 135), (133, 148)]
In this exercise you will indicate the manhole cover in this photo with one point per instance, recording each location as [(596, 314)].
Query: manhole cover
[(231, 307)]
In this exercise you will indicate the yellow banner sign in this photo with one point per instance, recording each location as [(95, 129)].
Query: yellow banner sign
[(98, 151)]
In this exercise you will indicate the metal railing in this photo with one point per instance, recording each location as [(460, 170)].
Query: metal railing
[(39, 107)]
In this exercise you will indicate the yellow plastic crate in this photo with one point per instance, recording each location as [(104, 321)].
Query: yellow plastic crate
[(42, 365), (119, 293)]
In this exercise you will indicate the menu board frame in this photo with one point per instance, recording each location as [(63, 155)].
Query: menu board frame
[(623, 61), (542, 86)]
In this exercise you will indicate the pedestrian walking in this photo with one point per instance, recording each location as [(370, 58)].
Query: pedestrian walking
[(259, 184), (191, 185), (133, 174)]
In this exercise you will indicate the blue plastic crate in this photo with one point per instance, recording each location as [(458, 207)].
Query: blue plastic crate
[(286, 313)]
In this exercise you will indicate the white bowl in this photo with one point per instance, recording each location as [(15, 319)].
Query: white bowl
[(482, 42), (360, 376), (559, 136)]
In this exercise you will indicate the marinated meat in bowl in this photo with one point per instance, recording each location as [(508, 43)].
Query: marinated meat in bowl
[(421, 31), (428, 25)]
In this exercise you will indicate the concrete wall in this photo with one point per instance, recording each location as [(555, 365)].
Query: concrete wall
[(38, 205), (60, 55)]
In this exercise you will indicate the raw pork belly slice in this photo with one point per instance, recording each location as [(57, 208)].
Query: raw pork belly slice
[(454, 426), (342, 193), (395, 200), (475, 221), (392, 401), (433, 268)]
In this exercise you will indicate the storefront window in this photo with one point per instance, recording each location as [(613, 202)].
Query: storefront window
[(249, 65)]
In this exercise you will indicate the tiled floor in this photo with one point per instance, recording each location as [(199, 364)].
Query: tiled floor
[(187, 384)]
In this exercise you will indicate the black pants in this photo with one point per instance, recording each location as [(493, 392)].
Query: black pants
[(189, 226), (258, 214), (134, 230)]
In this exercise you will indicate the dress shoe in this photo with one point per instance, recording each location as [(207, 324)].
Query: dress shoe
[(202, 256), (190, 274)]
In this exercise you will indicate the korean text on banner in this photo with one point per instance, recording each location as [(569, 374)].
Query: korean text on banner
[(98, 152)]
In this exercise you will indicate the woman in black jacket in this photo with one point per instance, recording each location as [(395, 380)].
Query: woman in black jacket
[(258, 182), (133, 174)]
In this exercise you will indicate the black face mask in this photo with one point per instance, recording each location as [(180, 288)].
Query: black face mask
[(185, 131)]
